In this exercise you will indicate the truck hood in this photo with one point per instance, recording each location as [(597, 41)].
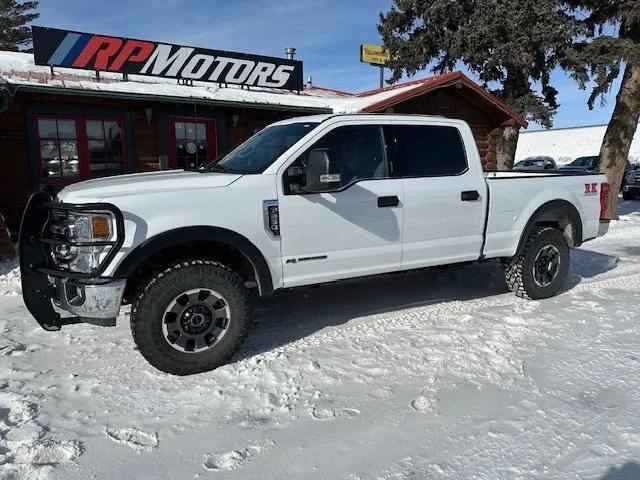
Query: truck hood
[(140, 183)]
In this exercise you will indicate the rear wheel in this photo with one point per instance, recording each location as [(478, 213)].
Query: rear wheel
[(540, 270), (191, 318)]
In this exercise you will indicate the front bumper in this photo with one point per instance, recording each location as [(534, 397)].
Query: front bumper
[(87, 297), (90, 301)]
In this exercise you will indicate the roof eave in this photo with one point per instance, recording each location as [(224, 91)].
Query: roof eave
[(166, 98), (460, 77)]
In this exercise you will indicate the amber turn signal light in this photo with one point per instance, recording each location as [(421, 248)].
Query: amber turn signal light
[(100, 227)]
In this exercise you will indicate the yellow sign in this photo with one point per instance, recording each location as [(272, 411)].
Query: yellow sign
[(374, 54)]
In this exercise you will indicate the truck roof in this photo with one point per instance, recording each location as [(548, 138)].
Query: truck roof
[(324, 117)]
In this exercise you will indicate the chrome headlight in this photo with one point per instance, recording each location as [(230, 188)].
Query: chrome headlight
[(82, 238)]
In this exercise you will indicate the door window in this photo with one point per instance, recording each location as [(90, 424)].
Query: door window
[(351, 153), (425, 151), (193, 143)]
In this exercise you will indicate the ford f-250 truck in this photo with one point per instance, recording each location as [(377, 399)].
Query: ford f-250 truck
[(305, 201)]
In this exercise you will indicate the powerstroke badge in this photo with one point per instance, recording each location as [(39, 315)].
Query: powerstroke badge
[(89, 51)]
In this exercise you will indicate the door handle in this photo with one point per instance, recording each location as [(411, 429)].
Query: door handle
[(392, 201), (470, 196)]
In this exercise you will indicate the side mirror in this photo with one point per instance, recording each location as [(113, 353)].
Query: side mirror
[(319, 176), (548, 166)]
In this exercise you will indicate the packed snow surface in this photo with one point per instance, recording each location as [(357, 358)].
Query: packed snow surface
[(438, 374)]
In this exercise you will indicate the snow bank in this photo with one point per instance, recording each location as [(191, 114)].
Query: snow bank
[(9, 277), (566, 144)]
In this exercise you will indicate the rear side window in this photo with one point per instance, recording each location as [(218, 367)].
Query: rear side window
[(425, 151)]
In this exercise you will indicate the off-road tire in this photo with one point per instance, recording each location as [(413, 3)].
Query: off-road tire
[(519, 269), (148, 309)]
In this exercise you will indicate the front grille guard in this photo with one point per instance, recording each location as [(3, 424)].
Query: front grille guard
[(36, 262)]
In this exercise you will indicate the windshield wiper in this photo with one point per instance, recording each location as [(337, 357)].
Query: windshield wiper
[(216, 167)]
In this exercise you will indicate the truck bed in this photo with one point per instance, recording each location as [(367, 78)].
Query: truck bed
[(514, 198)]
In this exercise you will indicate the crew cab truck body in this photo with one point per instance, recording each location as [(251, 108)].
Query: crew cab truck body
[(305, 201)]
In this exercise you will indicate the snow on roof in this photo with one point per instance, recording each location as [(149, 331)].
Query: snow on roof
[(19, 69), (567, 144)]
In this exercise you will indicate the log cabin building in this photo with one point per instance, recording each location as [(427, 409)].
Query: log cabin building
[(60, 126)]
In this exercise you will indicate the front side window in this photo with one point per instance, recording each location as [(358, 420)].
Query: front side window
[(340, 158), (58, 148), (264, 148), (426, 151), (76, 148)]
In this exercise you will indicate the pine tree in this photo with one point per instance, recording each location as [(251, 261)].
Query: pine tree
[(15, 33), (511, 45), (612, 47)]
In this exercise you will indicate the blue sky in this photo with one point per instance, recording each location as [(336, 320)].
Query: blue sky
[(327, 34)]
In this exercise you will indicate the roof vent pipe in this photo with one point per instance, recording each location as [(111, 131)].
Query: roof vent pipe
[(290, 52), (309, 82)]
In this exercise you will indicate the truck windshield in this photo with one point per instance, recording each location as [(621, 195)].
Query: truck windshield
[(261, 150)]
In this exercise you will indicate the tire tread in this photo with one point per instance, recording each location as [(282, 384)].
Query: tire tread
[(223, 273)]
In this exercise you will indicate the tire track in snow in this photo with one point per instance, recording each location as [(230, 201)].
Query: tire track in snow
[(416, 316)]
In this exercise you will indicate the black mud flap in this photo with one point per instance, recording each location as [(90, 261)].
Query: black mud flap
[(37, 292)]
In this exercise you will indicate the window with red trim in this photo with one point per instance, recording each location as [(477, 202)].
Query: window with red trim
[(58, 147), (73, 148)]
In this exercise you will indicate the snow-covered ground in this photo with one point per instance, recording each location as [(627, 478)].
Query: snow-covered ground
[(566, 144), (432, 374)]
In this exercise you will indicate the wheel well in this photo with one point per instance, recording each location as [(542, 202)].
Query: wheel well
[(226, 254), (557, 214)]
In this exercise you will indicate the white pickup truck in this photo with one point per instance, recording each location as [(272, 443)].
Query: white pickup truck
[(305, 201)]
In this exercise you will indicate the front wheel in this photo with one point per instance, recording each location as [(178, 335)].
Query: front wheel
[(540, 270), (191, 318)]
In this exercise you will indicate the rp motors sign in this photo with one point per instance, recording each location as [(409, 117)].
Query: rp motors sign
[(88, 51)]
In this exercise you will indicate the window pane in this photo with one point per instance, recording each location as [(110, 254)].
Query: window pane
[(47, 128), (66, 128), (50, 156), (202, 151), (97, 158), (114, 150), (190, 131), (112, 130), (94, 129), (69, 158), (179, 128), (425, 151), (201, 131)]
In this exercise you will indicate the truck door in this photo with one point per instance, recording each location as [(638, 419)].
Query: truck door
[(444, 193), (340, 214)]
